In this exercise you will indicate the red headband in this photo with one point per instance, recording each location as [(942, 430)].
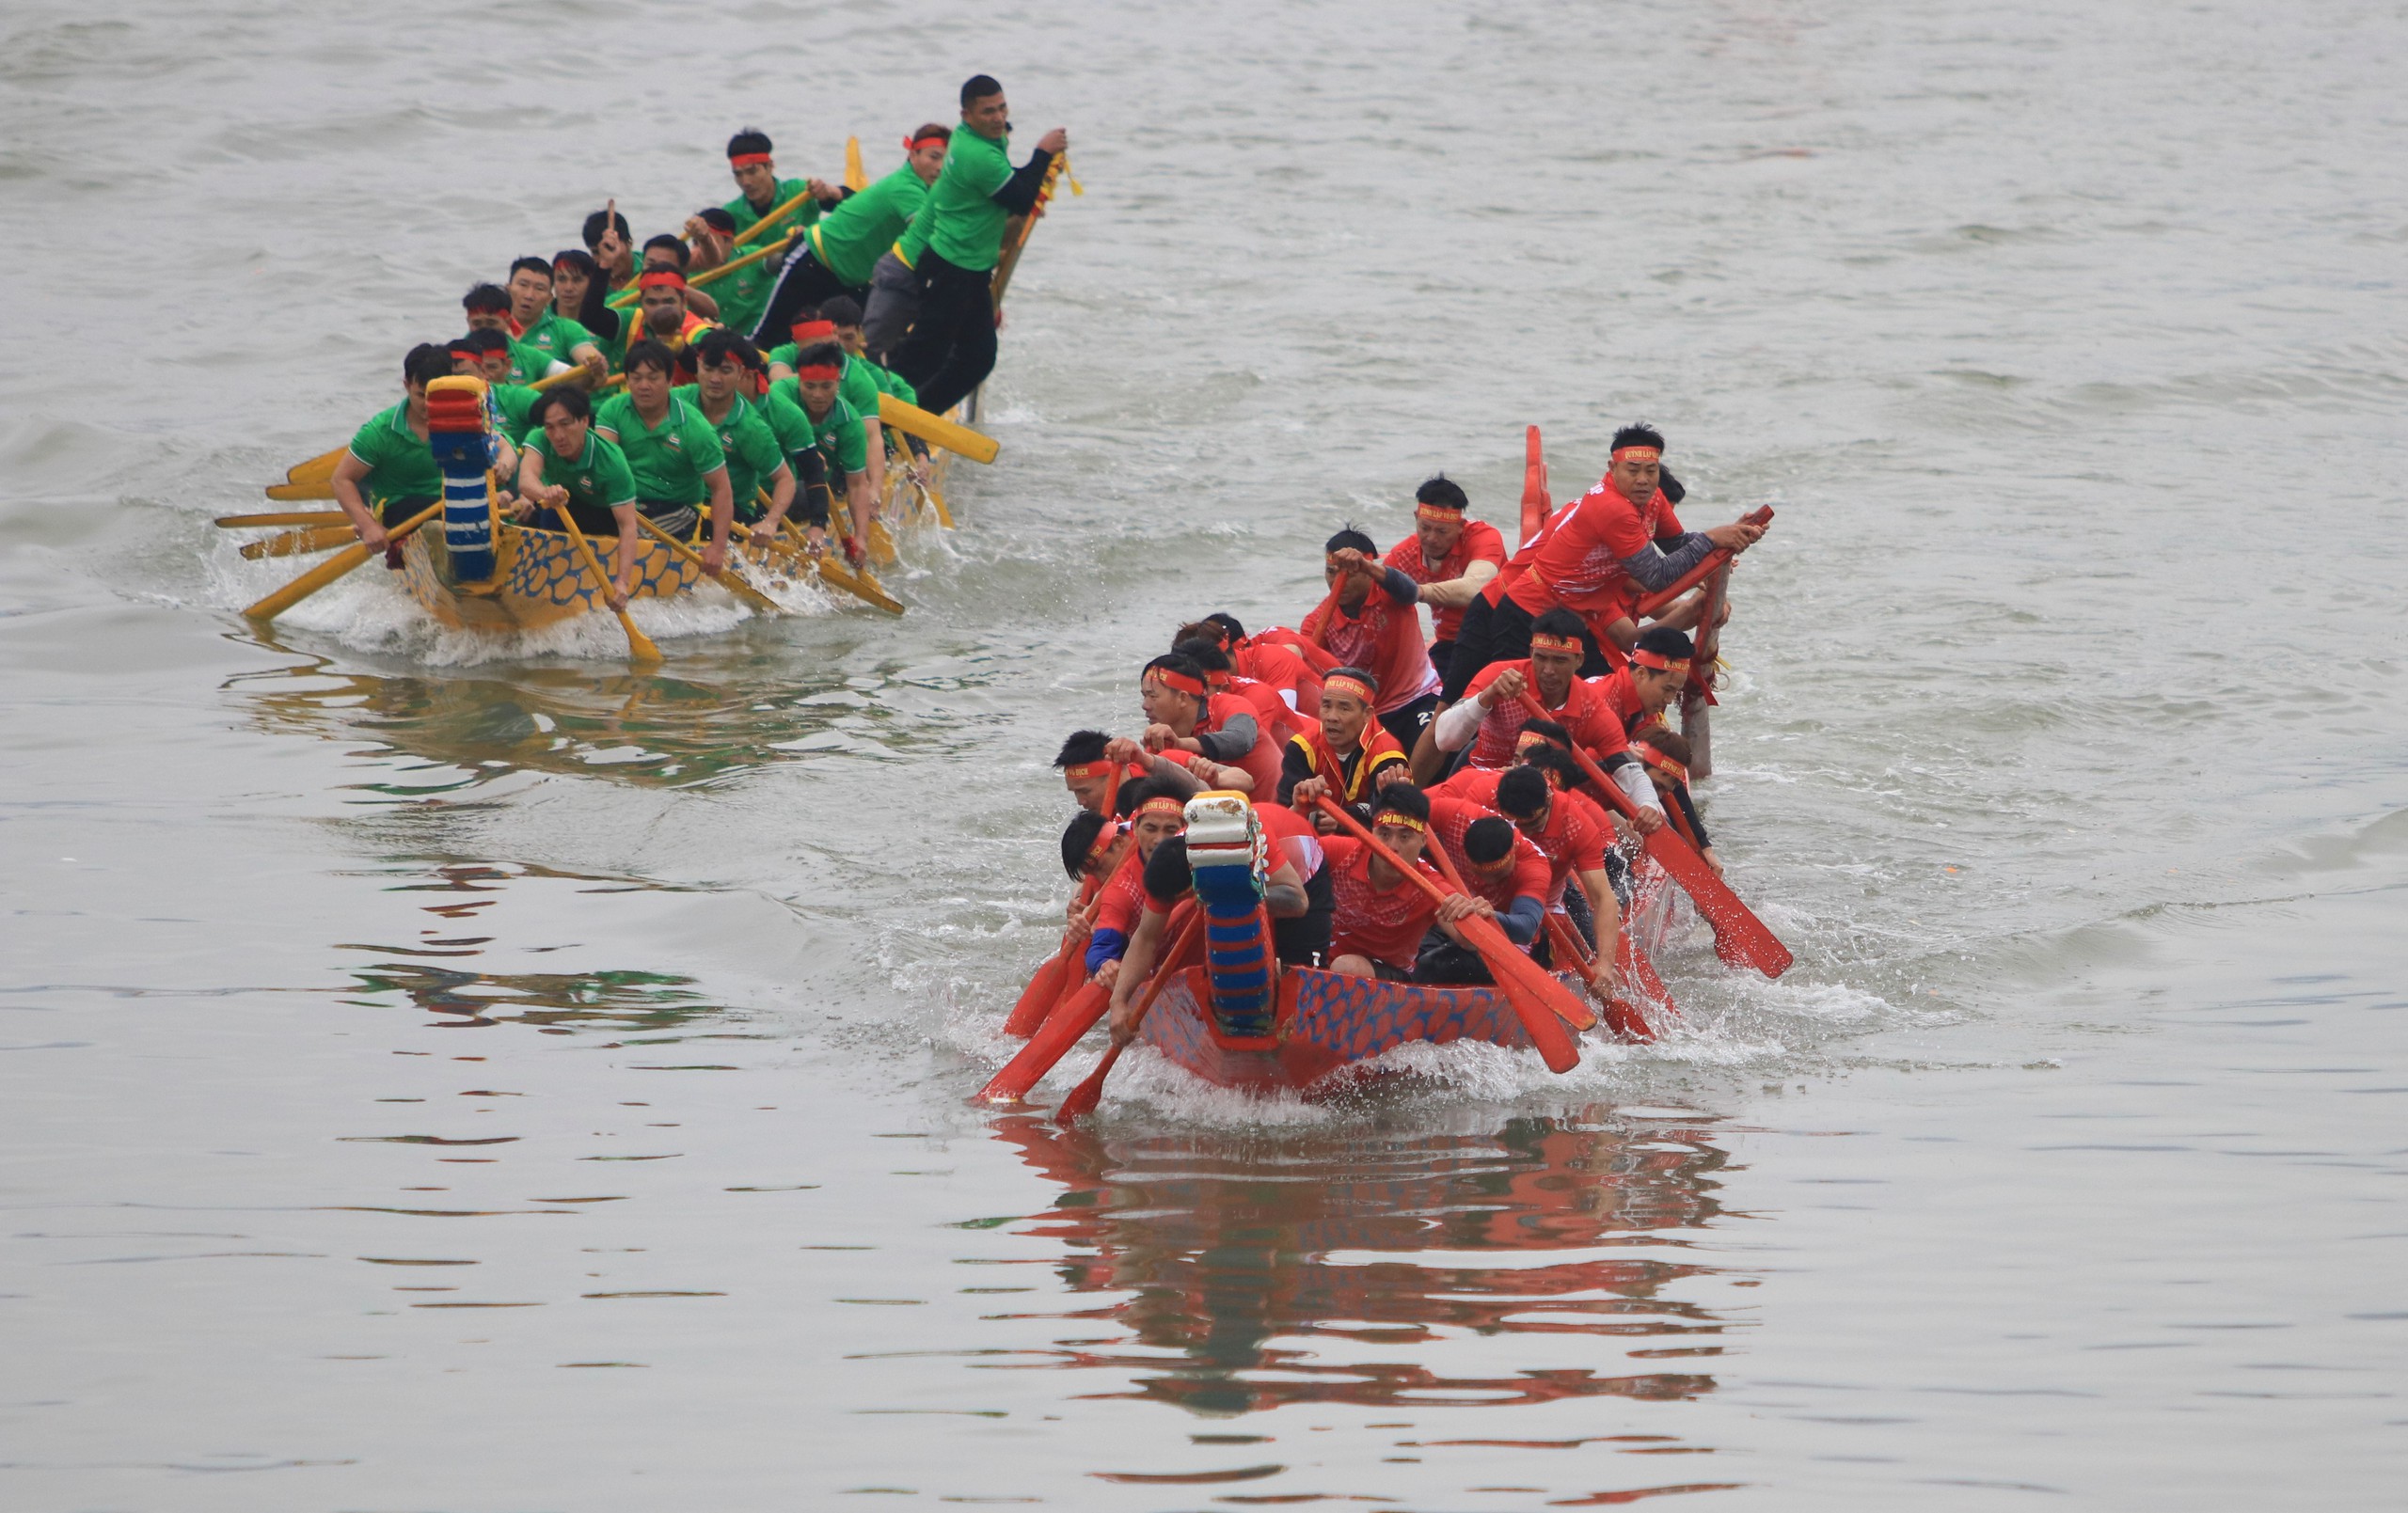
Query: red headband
[(1637, 455), (1081, 771), (1163, 804), (660, 278), (1106, 839), (1541, 642), (746, 160), (1669, 768), (1398, 816), (914, 144), (1215, 678), (807, 332), (467, 355), (1442, 513), (1656, 660), (1179, 681), (819, 373), (1355, 686)]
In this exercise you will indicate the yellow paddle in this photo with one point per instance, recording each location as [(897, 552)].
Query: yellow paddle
[(295, 517), (855, 179), (861, 586), (730, 580), (640, 647), (333, 568), (300, 542), (936, 429)]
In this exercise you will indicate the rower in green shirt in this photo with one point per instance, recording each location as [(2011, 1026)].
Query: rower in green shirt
[(389, 473), (840, 251), (744, 293), (819, 372), (566, 467), (487, 306), (846, 316), (540, 329), (486, 354), (675, 454), (953, 244), (755, 461)]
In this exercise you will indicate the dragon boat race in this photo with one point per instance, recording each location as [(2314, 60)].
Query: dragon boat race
[(1442, 758)]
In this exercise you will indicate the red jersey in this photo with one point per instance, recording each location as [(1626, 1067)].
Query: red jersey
[(1123, 895), (1577, 561), (1273, 713), (1450, 817), (1479, 543), (1292, 835), (1261, 761), (1282, 667), (1577, 832), (1385, 926), (1384, 641), (1595, 727), (1618, 694)]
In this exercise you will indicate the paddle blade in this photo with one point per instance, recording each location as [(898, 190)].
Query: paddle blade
[(1624, 1016), (1084, 1097), (1531, 997), (283, 517), (1536, 506), (856, 177), (1037, 998), (289, 492), (1050, 1043), (301, 542), (1741, 940), (936, 429)]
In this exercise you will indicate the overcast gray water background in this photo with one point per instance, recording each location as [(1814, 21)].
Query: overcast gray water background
[(440, 1078)]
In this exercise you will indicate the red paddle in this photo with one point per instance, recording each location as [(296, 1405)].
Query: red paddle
[(1530, 991), (1740, 939), (1046, 983), (1536, 506), (1053, 1039), (1582, 1019), (1568, 948), (1655, 604), (1089, 1093)]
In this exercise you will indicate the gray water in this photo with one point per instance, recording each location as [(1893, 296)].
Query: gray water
[(2065, 750)]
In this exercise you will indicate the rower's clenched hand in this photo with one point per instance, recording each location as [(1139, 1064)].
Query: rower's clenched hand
[(1160, 737), (1308, 791), (1351, 560), (1737, 536), (1108, 975), (1055, 141), (715, 557), (822, 189), (1647, 820), (616, 595), (1509, 685), (1120, 749)]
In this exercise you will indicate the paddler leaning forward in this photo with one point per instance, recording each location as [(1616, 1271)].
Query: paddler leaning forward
[(565, 468), (1346, 756), (389, 472), (673, 453)]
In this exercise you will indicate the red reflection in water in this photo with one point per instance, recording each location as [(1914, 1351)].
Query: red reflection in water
[(1225, 1245)]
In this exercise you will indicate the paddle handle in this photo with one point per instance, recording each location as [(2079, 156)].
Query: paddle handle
[(333, 568), (1362, 832), (1655, 604), (726, 579), (640, 647)]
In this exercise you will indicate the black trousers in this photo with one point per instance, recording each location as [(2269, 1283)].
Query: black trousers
[(1501, 632), (802, 284), (1304, 941), (952, 347), (1406, 722)]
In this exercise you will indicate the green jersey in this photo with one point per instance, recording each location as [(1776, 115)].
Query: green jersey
[(751, 448), (511, 403), (400, 464), (839, 432), (859, 388), (787, 421), (556, 336), (744, 295), (850, 240), (528, 364), (669, 460), (961, 222), (597, 478)]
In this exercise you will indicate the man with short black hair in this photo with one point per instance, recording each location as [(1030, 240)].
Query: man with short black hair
[(755, 463), (745, 293), (813, 389), (1451, 557), (1650, 683), (542, 330), (1347, 755), (955, 240), (389, 473), (1380, 917), (1380, 631), (673, 453), (568, 470)]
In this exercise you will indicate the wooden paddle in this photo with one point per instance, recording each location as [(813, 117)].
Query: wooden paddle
[(1536, 506), (1044, 987), (1524, 984), (301, 542), (1084, 1098), (1011, 259), (289, 517), (728, 578), (1579, 1017), (856, 177), (936, 429), (1062, 1030), (639, 648), (334, 567), (861, 586), (1655, 604), (1740, 939), (1623, 1016)]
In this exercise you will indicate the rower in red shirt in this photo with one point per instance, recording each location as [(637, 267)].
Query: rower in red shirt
[(1278, 718), (1380, 916), (1574, 838), (1599, 555), (1088, 775), (1657, 672), (1503, 870), (1181, 713), (1155, 814), (1346, 755), (1666, 756), (1453, 558), (1269, 658), (1372, 621), (1490, 718)]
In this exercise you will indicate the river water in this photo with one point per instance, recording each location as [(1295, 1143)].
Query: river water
[(2065, 750)]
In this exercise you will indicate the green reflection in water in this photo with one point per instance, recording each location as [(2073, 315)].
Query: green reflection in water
[(620, 1001), (1216, 1247)]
